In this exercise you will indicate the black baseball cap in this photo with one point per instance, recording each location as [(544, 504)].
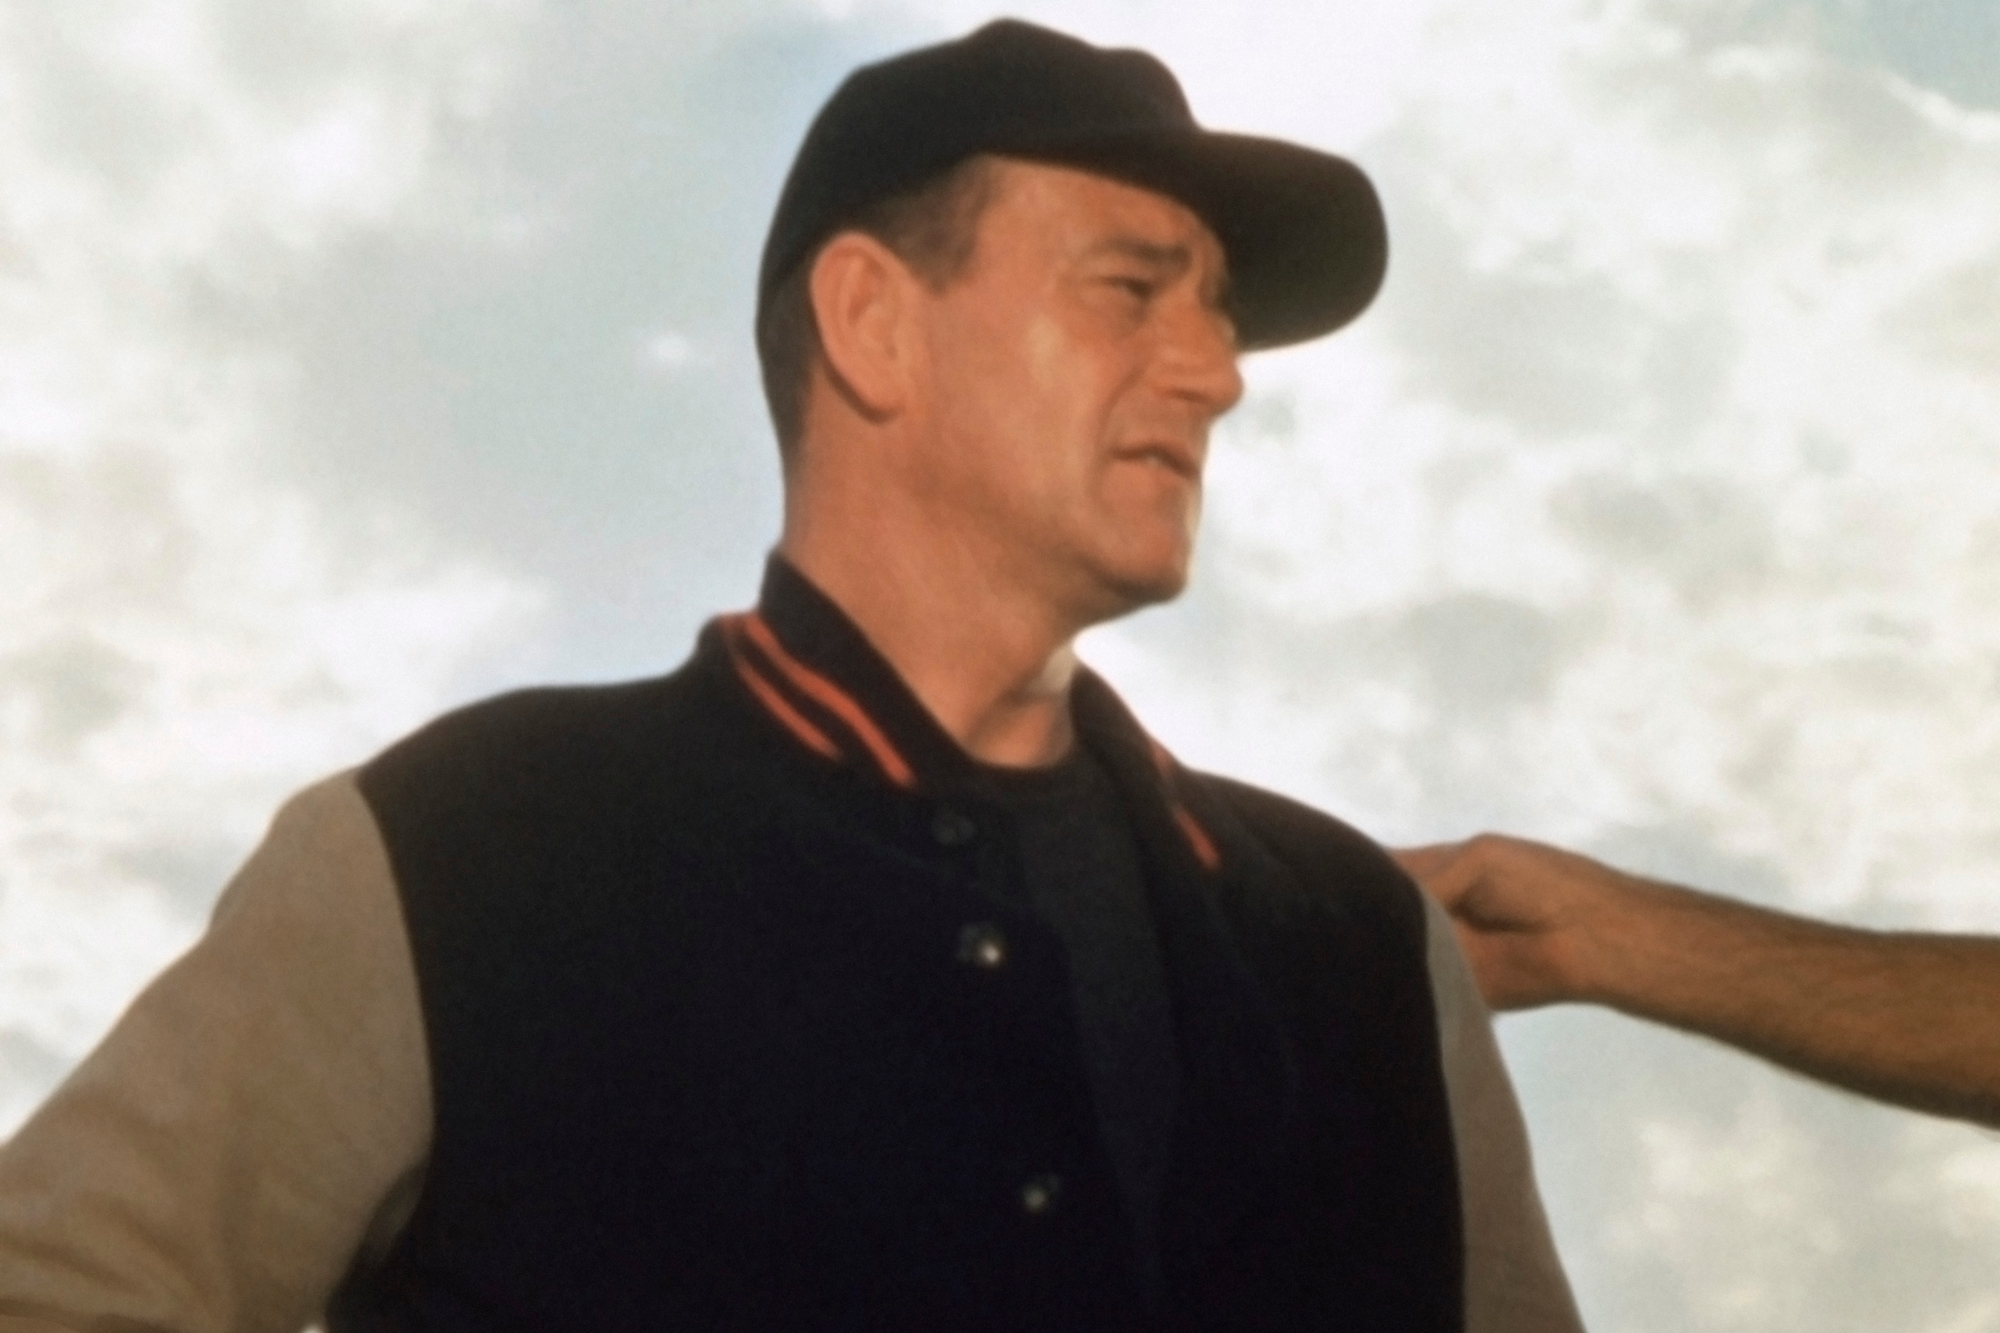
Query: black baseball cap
[(1303, 230)]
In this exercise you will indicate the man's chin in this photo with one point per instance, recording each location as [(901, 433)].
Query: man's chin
[(1125, 590)]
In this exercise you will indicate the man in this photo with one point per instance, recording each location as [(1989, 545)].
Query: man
[(1909, 1018), (873, 970)]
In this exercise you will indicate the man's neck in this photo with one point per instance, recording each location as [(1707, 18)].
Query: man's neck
[(991, 665)]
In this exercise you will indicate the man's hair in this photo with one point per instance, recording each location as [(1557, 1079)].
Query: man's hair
[(932, 229)]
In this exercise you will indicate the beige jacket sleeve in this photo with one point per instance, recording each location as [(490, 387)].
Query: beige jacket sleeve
[(257, 1119), (1514, 1282)]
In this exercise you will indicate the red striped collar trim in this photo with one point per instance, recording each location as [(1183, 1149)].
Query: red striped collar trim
[(830, 722), (796, 695), (1198, 840)]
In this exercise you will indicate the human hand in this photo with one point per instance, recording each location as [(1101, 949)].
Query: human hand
[(1531, 918)]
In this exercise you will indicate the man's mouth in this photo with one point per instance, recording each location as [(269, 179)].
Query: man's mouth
[(1179, 460)]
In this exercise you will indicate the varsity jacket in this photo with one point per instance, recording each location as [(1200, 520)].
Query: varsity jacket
[(737, 1020)]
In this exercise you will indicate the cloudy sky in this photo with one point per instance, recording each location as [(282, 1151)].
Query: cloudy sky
[(359, 357)]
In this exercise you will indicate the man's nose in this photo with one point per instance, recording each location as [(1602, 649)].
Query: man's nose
[(1199, 360)]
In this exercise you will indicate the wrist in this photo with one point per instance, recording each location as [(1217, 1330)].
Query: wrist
[(1608, 957)]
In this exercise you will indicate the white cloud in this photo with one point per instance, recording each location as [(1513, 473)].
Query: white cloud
[(183, 636), (667, 351)]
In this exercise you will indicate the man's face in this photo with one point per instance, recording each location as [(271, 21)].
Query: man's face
[(1071, 374)]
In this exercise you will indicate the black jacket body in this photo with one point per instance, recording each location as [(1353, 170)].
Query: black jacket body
[(719, 1039)]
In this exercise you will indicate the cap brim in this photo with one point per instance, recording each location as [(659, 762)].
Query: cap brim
[(1303, 230)]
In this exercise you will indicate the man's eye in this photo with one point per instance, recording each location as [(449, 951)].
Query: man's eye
[(1140, 288)]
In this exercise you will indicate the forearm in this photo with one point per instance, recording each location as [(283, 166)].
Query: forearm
[(1909, 1018)]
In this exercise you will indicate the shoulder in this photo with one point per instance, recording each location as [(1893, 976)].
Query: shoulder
[(539, 717), (1289, 822), (502, 776), (532, 738), (1324, 853)]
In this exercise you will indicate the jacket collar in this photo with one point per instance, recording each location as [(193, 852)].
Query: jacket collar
[(815, 673)]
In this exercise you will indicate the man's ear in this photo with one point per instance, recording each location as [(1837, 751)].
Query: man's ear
[(861, 297)]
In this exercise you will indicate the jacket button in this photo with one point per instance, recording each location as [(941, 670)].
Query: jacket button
[(952, 828), (982, 945), (1039, 1194)]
